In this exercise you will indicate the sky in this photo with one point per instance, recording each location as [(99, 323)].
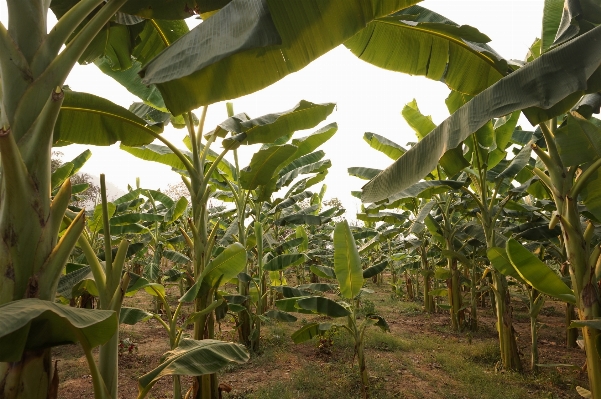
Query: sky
[(369, 99)]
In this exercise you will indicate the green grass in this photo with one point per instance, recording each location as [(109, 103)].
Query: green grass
[(423, 360)]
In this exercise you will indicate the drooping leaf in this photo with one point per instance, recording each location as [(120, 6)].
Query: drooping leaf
[(194, 358), (536, 273), (418, 41), (516, 91), (281, 262), (323, 271), (421, 189), (133, 316), (308, 144), (291, 201), (324, 306), (385, 146), (300, 219), (230, 73), (308, 331), (157, 153), (176, 257), (517, 163), (280, 316), (32, 324), (375, 269), (88, 119), (302, 161), (500, 261), (69, 280), (363, 173), (578, 141), (263, 165), (270, 127)]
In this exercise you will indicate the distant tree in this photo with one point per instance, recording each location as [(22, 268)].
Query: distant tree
[(176, 191), (85, 199)]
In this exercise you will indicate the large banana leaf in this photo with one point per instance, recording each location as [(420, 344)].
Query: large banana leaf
[(302, 161), (310, 143), (263, 165), (578, 140), (452, 161), (308, 331), (500, 261), (300, 218), (521, 89), (363, 173), (551, 18), (223, 268), (132, 316), (33, 324), (418, 41), (421, 124), (270, 127), (194, 358), (375, 269), (385, 146), (157, 153), (173, 9), (536, 273), (316, 167), (324, 306), (88, 119), (281, 262), (424, 189), (347, 263), (224, 68), (291, 201)]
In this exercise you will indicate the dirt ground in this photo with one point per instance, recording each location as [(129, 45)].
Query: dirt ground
[(420, 358)]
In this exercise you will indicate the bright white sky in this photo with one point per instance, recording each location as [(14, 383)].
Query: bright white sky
[(368, 99)]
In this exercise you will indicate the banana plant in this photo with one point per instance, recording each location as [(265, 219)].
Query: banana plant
[(203, 170), (571, 176), (273, 167), (34, 68), (350, 277), (536, 299), (223, 267)]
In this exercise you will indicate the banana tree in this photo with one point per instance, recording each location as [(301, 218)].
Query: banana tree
[(571, 176), (502, 98), (350, 276), (34, 68), (535, 299)]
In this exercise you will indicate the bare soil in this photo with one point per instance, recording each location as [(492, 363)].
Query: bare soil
[(420, 358)]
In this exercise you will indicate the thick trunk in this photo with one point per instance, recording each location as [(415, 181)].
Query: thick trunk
[(510, 357), (362, 368), (33, 377), (571, 333), (453, 286), (473, 323)]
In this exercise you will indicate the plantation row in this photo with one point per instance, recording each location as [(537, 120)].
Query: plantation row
[(477, 204)]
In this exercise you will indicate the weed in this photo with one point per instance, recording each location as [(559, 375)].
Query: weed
[(367, 307)]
